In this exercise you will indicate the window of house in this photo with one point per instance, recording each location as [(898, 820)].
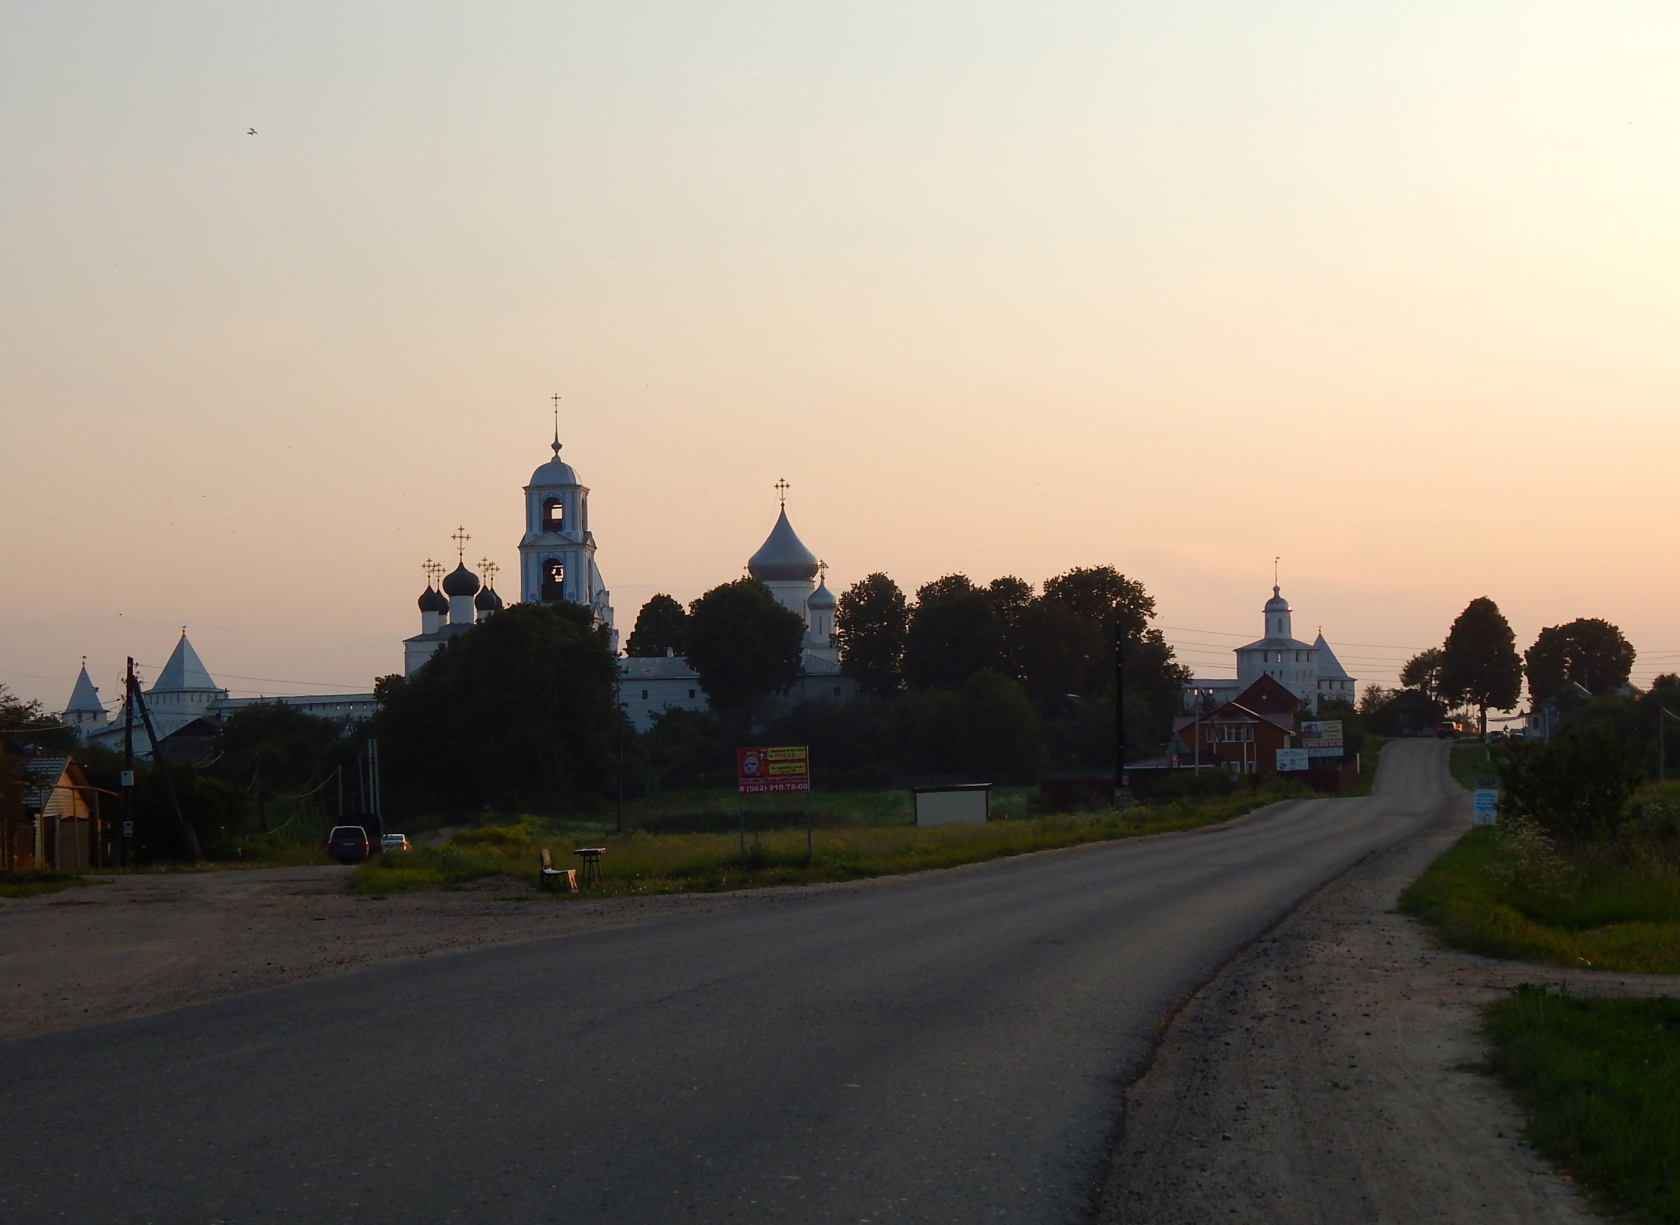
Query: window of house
[(644, 695), (1234, 733), (554, 514), (691, 693), (553, 580)]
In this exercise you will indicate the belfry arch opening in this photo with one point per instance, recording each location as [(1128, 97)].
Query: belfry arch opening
[(553, 580), (553, 515)]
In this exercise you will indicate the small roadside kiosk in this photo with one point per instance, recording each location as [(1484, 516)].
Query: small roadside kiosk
[(954, 804)]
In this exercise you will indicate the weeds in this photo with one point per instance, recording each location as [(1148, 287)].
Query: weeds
[(642, 862), (1600, 1082), (34, 883)]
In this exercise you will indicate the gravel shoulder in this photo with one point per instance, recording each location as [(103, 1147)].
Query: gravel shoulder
[(1324, 1075), (146, 943)]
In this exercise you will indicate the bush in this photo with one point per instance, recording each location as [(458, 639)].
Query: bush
[(1575, 786)]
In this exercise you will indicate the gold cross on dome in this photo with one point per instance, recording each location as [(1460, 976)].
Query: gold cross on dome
[(782, 487), (488, 569), (460, 538)]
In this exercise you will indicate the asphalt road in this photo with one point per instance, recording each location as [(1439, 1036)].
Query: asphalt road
[(948, 1047)]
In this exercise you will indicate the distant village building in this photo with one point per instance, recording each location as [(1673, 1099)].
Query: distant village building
[(1309, 670)]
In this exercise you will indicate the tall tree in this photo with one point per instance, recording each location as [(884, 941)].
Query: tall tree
[(1423, 673), (661, 626), (1102, 594), (1588, 651), (869, 624), (744, 644), (517, 712), (1479, 661), (1012, 598), (954, 631)]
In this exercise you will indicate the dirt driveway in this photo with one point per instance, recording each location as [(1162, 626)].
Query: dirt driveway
[(145, 943)]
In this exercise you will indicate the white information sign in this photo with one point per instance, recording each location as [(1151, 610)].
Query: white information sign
[(1486, 809), (1293, 759)]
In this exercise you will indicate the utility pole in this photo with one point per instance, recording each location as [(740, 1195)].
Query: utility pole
[(1119, 708), (189, 839), (127, 776)]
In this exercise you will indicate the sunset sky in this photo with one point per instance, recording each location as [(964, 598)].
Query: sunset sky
[(1389, 290)]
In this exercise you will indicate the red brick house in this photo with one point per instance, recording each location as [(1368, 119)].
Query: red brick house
[(1243, 735)]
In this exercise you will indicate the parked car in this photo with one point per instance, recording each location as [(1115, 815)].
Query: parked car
[(1448, 730), (348, 844), (394, 842)]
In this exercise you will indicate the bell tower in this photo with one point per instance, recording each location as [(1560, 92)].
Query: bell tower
[(557, 552)]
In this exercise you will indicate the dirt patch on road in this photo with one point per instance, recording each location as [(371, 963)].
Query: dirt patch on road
[(145, 943), (1326, 1075)]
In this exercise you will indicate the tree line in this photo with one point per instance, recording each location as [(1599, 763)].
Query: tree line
[(1478, 666)]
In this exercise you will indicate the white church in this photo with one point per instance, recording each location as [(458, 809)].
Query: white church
[(556, 562), (1309, 670)]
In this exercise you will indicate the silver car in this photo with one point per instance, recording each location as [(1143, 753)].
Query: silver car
[(394, 842)]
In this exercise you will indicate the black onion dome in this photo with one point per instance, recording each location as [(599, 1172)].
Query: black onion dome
[(486, 601), (460, 581), (432, 601)]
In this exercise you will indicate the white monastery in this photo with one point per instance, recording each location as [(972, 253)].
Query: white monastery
[(556, 562), (1310, 671)]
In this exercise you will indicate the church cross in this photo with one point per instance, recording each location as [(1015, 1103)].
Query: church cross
[(556, 398), (460, 538), (782, 487), (488, 569)]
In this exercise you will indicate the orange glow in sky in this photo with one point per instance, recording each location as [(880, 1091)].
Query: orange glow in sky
[(1392, 291)]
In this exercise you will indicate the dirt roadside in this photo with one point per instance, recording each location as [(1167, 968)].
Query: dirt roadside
[(1321, 1077), (146, 943)]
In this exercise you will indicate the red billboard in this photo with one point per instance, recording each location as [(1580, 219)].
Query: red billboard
[(781, 768)]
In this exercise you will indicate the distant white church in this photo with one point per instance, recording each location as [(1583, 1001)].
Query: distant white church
[(1310, 671), (557, 562)]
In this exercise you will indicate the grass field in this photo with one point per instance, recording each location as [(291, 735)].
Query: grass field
[(643, 862), (1600, 1082)]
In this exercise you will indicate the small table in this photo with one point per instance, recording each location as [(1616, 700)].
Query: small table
[(591, 856)]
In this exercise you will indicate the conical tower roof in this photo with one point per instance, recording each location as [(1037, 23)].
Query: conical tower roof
[(783, 557), (184, 671), (84, 698), (1329, 666)]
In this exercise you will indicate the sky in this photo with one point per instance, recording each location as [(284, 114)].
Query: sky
[(1387, 291)]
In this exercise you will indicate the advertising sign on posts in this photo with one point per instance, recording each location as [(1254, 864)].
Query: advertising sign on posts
[(1486, 810), (1322, 738), (783, 768), (1293, 759)]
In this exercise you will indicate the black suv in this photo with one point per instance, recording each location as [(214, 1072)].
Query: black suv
[(348, 843)]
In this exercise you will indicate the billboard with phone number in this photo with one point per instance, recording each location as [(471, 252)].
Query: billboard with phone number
[(778, 768)]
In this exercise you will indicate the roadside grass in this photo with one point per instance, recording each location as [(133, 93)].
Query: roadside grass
[(1368, 757), (1509, 891), (1471, 763), (641, 862), (1600, 1082), (33, 884)]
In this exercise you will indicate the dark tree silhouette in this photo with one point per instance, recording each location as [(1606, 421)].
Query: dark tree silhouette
[(869, 624), (1423, 673), (744, 645), (661, 626), (954, 632), (1479, 661), (1588, 651), (517, 712)]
